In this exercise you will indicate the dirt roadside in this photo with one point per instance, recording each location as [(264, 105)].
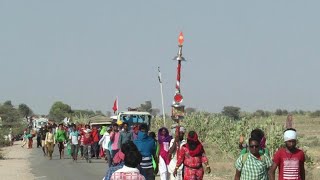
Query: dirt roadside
[(16, 164)]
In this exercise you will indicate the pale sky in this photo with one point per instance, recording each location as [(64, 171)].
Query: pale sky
[(251, 54)]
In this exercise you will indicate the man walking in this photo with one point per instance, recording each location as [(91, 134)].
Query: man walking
[(290, 159), (125, 134), (95, 136), (39, 138), (42, 133), (61, 138), (147, 148), (87, 142), (252, 165), (74, 141)]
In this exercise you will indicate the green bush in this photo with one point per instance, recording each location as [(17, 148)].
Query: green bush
[(231, 112)]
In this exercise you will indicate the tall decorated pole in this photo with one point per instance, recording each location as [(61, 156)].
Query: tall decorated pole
[(177, 112), (177, 107)]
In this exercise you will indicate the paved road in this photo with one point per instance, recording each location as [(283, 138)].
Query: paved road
[(65, 169)]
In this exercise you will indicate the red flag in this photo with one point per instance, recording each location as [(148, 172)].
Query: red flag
[(115, 106)]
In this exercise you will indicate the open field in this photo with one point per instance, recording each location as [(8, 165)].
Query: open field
[(222, 158)]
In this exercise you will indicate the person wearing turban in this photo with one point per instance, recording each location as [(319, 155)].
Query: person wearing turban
[(290, 160)]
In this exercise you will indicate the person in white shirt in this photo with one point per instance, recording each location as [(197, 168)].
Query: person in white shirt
[(173, 151), (74, 138), (105, 143)]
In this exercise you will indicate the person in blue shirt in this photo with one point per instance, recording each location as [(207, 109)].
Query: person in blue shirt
[(147, 148)]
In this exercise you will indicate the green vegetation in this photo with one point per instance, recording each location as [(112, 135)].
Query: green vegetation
[(12, 118), (220, 136), (59, 111)]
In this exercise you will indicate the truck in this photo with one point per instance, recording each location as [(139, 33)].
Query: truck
[(134, 118), (38, 123), (99, 120)]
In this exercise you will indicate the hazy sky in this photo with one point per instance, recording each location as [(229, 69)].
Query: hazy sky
[(251, 54)]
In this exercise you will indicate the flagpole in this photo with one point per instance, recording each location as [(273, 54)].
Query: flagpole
[(161, 90)]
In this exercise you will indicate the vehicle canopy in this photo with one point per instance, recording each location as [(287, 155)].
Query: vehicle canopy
[(99, 121), (134, 118)]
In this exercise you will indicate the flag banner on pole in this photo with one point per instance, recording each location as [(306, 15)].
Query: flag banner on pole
[(159, 75), (115, 106)]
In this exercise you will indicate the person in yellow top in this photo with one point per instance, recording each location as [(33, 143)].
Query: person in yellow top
[(50, 141)]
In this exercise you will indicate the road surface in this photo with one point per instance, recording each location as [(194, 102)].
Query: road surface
[(65, 169)]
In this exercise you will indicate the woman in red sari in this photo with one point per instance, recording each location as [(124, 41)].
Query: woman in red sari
[(192, 155)]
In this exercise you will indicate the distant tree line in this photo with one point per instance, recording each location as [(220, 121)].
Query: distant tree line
[(13, 118)]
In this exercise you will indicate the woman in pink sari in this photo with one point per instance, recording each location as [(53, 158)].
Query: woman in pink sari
[(164, 159)]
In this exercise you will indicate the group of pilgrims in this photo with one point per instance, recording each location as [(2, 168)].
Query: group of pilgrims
[(255, 162), (134, 153), (129, 152)]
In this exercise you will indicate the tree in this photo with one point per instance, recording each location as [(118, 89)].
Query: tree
[(98, 112), (83, 112), (8, 103), (232, 112), (259, 113), (301, 112), (11, 119), (10, 116), (59, 111), (155, 112), (190, 110), (278, 112), (24, 110), (108, 113), (147, 107), (285, 112)]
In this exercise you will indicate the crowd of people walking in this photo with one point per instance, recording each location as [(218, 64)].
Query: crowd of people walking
[(128, 151), (174, 154)]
